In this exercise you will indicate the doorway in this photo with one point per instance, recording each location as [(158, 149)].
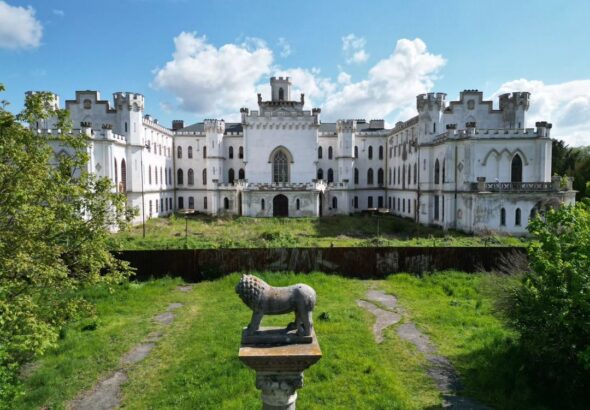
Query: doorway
[(280, 206)]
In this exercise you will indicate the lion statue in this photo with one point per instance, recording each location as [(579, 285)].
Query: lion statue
[(264, 299)]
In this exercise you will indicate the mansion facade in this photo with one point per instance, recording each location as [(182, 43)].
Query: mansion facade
[(460, 164)]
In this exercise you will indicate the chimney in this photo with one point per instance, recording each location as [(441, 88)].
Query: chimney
[(177, 125)]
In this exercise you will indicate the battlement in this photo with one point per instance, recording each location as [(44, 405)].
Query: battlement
[(346, 126), (133, 101), (54, 100), (512, 100), (431, 101), (214, 126)]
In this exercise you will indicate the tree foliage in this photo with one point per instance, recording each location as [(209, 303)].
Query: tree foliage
[(551, 306), (573, 162), (54, 221)]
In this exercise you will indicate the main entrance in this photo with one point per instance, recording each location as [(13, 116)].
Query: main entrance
[(280, 206)]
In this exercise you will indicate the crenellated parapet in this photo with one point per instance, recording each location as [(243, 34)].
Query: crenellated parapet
[(515, 99), (431, 101), (214, 126), (128, 100), (346, 126)]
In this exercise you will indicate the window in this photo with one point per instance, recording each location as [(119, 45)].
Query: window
[(320, 153), (380, 201), (280, 168), (380, 176), (394, 175), (436, 207), (409, 174), (356, 151), (297, 204), (370, 202), (517, 217), (225, 203), (150, 174), (180, 202), (262, 204), (190, 151), (370, 176), (370, 152), (320, 174), (204, 152), (330, 176), (389, 176), (230, 176), (125, 126), (409, 206), (123, 176), (190, 176), (436, 172), (502, 217), (204, 176), (156, 175), (191, 202), (356, 202), (433, 127), (398, 204), (516, 174), (380, 151), (281, 94), (334, 203), (179, 152), (415, 173), (179, 177), (205, 202), (403, 205), (116, 174), (87, 104), (241, 174), (241, 152), (389, 200), (444, 171), (329, 152), (399, 175), (356, 176), (231, 152)]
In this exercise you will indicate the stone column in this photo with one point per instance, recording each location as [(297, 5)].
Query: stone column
[(279, 390)]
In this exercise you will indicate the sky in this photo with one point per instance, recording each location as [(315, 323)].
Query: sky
[(207, 59)]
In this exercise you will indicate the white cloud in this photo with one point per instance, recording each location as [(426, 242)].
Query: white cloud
[(343, 78), (58, 12), (213, 81), (354, 49), (18, 27), (286, 49), (566, 105)]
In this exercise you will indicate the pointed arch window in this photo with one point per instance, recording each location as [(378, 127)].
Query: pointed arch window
[(280, 167), (415, 173), (179, 177), (205, 176), (517, 217), (437, 172), (444, 171), (334, 203), (330, 176), (356, 176), (241, 153), (320, 153), (380, 151), (230, 176), (191, 202), (204, 152), (330, 152), (281, 94), (179, 152), (370, 152), (297, 204), (225, 203), (516, 172), (190, 151), (503, 217), (380, 176), (241, 174), (231, 152), (356, 151), (370, 176), (262, 204), (320, 174), (190, 176), (123, 176)]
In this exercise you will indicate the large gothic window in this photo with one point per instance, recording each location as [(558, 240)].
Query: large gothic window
[(516, 175), (280, 167)]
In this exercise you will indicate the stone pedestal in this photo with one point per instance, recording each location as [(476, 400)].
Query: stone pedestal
[(279, 370)]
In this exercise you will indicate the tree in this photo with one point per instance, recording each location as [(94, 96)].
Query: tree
[(54, 221)]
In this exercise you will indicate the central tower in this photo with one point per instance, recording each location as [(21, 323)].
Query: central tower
[(280, 88)]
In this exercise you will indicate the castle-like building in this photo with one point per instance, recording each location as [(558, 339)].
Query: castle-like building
[(459, 164)]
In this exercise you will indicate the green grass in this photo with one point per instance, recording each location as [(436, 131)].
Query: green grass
[(195, 364), (242, 232)]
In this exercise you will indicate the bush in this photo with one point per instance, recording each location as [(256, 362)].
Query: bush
[(551, 305)]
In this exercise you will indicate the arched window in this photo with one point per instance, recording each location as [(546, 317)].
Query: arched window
[(205, 202), (225, 203), (356, 151), (503, 217), (87, 104), (150, 174), (437, 172), (161, 178), (380, 151), (356, 202), (380, 176), (190, 151), (320, 153), (370, 152), (415, 173), (179, 177), (320, 173), (394, 175), (190, 176), (241, 174), (204, 152), (156, 175), (281, 94), (399, 174), (191, 202), (241, 152), (230, 176), (297, 204), (517, 217), (334, 203), (231, 152), (389, 176), (262, 204), (116, 174), (356, 176), (329, 152), (370, 176), (516, 175), (409, 174), (123, 176), (179, 152), (330, 175), (180, 202), (204, 176), (280, 167), (444, 171)]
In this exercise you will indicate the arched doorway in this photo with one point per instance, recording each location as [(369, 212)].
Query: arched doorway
[(280, 206)]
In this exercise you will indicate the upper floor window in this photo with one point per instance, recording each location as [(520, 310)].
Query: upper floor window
[(204, 152), (241, 152), (205, 176), (281, 94), (516, 172), (320, 173), (329, 152), (320, 153), (190, 176), (356, 176), (370, 176), (370, 152), (356, 151), (280, 167), (241, 174), (179, 178), (190, 151), (87, 104), (437, 172), (330, 175), (380, 151), (179, 152), (231, 152), (380, 176)]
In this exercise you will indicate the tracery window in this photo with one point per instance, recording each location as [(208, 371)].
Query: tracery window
[(191, 176), (280, 168)]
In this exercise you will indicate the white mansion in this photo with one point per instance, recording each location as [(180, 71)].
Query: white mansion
[(460, 164)]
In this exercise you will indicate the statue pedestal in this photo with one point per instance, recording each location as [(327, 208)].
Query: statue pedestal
[(279, 370)]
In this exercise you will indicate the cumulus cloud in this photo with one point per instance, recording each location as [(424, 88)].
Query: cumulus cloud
[(354, 49), (566, 105), (285, 47), (18, 27), (212, 81)]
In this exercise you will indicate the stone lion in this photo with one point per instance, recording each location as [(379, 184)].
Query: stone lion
[(264, 299)]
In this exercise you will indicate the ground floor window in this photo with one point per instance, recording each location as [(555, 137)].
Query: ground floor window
[(204, 202), (191, 202), (180, 202), (162, 204), (262, 204), (335, 203), (502, 217), (225, 203), (398, 205), (356, 202), (517, 217), (150, 208), (370, 202), (409, 206), (436, 207), (403, 205), (297, 204), (380, 202)]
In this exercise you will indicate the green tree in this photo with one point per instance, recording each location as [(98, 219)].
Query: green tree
[(54, 222)]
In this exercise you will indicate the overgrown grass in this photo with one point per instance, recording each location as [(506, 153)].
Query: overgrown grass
[(242, 232), (195, 364)]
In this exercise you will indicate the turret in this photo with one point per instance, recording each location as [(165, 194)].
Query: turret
[(280, 88), (430, 110), (130, 107), (544, 128), (513, 106)]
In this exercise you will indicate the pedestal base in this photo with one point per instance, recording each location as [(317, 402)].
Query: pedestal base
[(279, 390)]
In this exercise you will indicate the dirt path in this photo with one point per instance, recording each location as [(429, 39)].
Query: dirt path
[(106, 394), (388, 313)]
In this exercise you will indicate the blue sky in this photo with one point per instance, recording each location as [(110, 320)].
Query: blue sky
[(353, 59)]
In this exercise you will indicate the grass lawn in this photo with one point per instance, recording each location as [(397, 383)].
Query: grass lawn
[(195, 364), (242, 232)]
